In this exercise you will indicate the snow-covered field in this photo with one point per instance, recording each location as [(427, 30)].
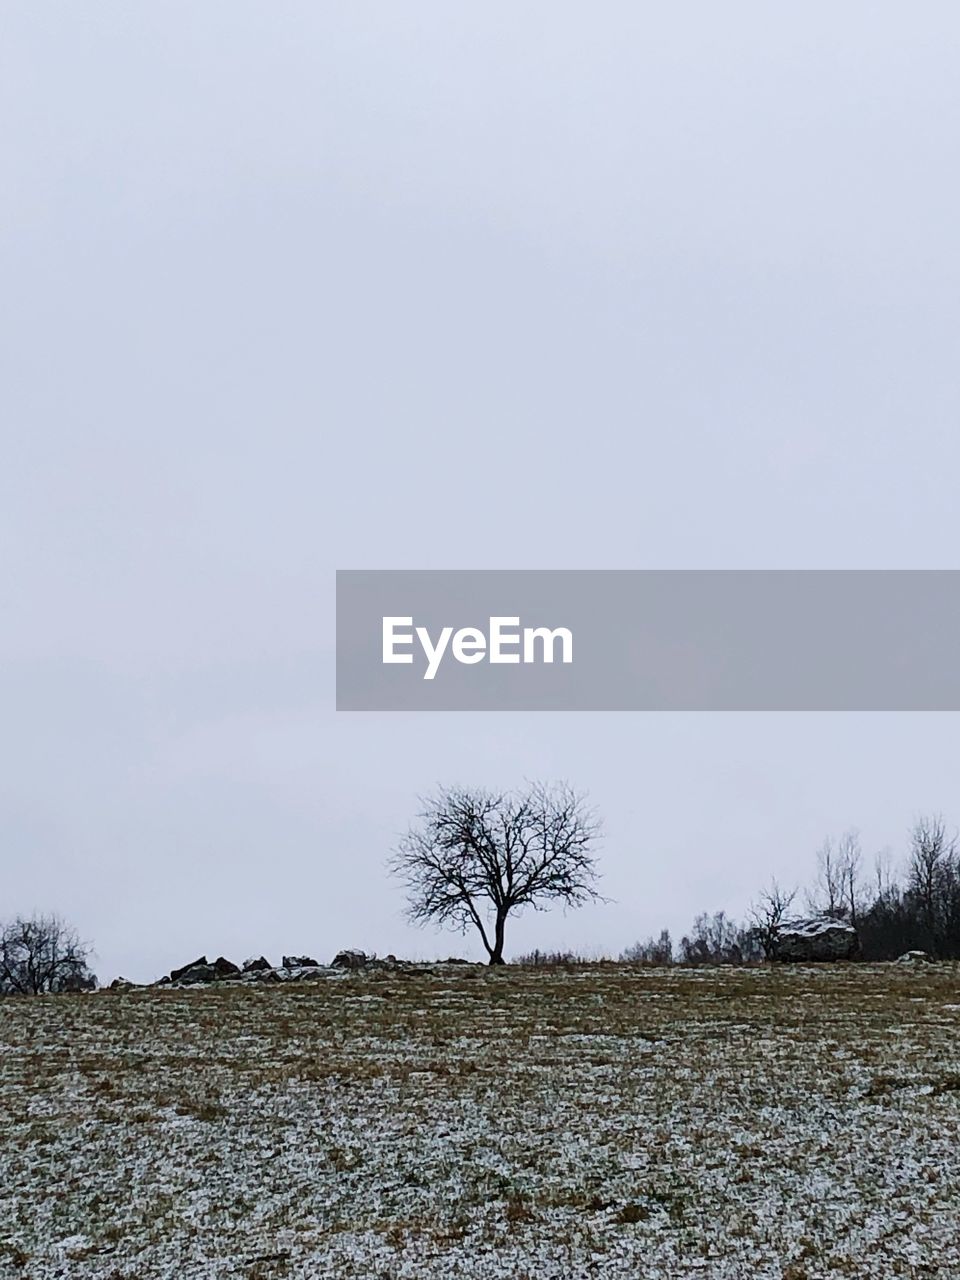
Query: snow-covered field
[(607, 1122)]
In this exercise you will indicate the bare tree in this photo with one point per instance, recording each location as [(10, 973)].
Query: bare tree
[(849, 861), (837, 891), (41, 955), (932, 859), (883, 876), (475, 856), (768, 913), (827, 896)]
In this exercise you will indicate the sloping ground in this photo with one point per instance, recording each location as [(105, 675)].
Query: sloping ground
[(785, 1123)]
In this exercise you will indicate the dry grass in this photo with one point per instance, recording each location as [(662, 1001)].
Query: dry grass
[(782, 1123)]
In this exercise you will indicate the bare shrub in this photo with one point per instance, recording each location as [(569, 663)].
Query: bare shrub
[(716, 939), (655, 951), (43, 954)]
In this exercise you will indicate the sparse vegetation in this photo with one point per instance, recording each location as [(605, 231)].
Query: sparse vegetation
[(655, 951), (538, 959), (679, 1110), (615, 1120)]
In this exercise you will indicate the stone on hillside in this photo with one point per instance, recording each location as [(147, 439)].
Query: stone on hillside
[(177, 974), (197, 973), (349, 960), (224, 968), (816, 940), (914, 957), (299, 962), (256, 965)]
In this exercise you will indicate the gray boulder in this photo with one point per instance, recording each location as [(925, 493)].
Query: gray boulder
[(350, 960), (177, 974), (202, 970), (257, 965), (299, 962), (197, 973), (914, 957), (815, 941)]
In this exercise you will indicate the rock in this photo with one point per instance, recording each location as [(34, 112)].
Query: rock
[(257, 965), (914, 957), (349, 960), (122, 984), (202, 970), (196, 973), (177, 974), (299, 962), (259, 974), (816, 940)]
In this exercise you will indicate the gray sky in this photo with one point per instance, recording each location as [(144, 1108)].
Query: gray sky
[(291, 287)]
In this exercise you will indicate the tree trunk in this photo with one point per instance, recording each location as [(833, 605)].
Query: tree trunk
[(496, 951)]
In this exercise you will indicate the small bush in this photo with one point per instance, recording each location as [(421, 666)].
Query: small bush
[(655, 951), (550, 959)]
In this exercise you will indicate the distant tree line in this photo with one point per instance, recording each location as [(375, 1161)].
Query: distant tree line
[(913, 908)]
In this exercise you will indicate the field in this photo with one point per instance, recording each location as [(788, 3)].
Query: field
[(788, 1123)]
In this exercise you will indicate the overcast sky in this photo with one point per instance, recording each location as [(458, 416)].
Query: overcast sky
[(291, 287)]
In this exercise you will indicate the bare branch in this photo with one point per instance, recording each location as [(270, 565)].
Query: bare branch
[(42, 955), (475, 856)]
